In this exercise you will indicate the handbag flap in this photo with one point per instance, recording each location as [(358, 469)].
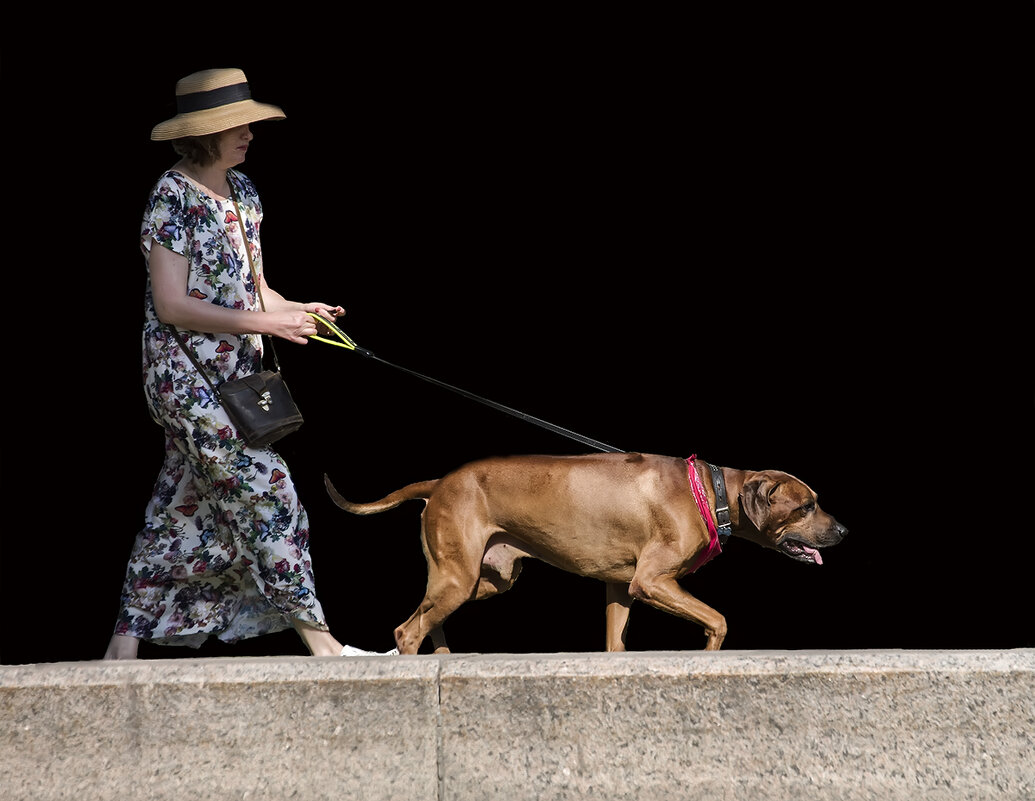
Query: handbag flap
[(255, 382)]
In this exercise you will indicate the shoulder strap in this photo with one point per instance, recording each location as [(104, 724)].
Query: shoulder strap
[(256, 277), (194, 359)]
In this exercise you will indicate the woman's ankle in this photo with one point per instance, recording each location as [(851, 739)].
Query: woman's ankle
[(319, 642), (122, 646)]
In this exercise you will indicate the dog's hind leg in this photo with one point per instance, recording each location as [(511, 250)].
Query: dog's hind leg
[(438, 639), (427, 620), (617, 617), (490, 583), (443, 597), (452, 581)]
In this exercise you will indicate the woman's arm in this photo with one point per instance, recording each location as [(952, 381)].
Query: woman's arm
[(174, 306), (274, 301)]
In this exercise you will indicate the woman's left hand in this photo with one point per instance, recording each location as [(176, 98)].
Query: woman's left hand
[(327, 312)]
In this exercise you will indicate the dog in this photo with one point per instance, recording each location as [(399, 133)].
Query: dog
[(627, 519)]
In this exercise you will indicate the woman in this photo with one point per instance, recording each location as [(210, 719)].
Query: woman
[(224, 550)]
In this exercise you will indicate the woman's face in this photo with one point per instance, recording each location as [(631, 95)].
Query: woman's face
[(233, 145)]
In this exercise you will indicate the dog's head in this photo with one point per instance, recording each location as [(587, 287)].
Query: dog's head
[(787, 517)]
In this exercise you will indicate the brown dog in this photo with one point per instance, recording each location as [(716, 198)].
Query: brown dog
[(627, 519)]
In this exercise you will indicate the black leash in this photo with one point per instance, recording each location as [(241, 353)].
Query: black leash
[(346, 342), (564, 432), (722, 509)]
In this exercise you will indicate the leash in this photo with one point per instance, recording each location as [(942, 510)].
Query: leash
[(718, 534), (345, 341)]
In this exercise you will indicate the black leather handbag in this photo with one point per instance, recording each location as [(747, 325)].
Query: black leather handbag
[(259, 405)]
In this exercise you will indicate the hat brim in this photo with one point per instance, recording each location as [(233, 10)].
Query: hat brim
[(210, 121)]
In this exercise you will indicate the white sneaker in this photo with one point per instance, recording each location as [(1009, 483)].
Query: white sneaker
[(348, 650)]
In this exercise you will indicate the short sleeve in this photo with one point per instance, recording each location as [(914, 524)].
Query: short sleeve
[(164, 217)]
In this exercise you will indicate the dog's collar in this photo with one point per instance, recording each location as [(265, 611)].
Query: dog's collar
[(722, 505), (722, 511)]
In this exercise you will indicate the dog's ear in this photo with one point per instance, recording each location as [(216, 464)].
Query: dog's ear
[(756, 500)]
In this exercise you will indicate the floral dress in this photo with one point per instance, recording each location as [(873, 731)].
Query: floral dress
[(224, 549)]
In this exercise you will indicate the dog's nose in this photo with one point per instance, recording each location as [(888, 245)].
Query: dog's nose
[(842, 532)]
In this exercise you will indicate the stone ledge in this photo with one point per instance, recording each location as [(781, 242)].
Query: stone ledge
[(739, 725)]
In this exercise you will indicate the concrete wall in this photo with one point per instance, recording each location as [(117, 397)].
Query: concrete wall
[(732, 725)]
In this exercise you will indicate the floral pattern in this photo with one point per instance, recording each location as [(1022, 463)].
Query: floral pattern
[(224, 550)]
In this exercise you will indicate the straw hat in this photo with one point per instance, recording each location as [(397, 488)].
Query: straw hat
[(211, 101)]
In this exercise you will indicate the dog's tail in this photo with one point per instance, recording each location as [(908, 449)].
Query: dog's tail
[(421, 489)]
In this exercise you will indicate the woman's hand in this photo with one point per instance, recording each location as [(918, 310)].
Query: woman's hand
[(292, 325), (327, 312), (297, 325)]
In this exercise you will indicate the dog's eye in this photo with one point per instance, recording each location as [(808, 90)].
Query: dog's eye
[(807, 508)]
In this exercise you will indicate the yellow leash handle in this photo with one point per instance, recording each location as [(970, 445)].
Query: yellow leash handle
[(345, 339)]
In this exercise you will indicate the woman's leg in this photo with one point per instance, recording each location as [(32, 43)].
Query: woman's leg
[(122, 646), (318, 641)]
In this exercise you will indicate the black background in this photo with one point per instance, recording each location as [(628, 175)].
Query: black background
[(779, 240)]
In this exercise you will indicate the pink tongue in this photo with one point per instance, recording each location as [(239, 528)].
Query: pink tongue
[(814, 554)]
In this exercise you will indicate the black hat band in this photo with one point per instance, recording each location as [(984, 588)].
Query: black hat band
[(224, 95)]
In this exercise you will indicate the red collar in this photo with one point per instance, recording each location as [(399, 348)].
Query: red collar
[(714, 547)]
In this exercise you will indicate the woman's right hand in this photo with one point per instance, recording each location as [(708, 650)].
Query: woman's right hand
[(293, 326)]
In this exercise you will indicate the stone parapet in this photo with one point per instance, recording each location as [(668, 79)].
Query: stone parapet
[(730, 725)]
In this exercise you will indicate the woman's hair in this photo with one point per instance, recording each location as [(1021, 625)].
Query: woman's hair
[(202, 150)]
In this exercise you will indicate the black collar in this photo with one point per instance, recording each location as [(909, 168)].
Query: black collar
[(722, 506)]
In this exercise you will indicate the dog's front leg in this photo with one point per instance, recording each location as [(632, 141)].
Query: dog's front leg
[(618, 603), (663, 592)]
